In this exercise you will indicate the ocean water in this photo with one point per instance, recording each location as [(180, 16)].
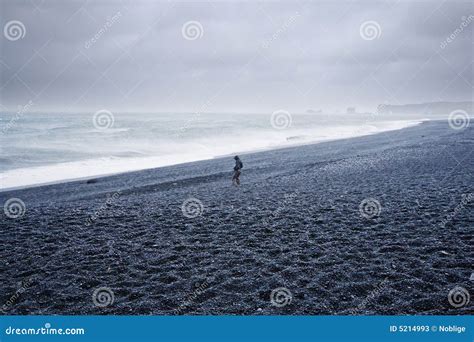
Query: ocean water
[(40, 148)]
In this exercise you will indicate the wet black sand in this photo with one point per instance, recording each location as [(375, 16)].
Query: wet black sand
[(294, 223)]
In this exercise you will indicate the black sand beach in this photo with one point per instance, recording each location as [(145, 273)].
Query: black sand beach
[(294, 223)]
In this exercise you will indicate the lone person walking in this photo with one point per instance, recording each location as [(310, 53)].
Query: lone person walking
[(238, 166)]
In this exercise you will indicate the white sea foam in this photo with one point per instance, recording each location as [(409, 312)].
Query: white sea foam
[(141, 151)]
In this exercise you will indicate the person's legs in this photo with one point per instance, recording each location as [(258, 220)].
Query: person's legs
[(234, 178), (237, 177)]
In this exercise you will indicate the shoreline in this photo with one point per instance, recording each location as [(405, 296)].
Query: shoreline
[(379, 224), (408, 124)]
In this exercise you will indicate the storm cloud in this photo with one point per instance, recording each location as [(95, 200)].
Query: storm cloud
[(233, 56)]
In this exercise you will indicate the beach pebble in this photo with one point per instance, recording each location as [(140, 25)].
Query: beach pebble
[(444, 252)]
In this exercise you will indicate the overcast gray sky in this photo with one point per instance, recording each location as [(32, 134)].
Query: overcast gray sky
[(248, 56)]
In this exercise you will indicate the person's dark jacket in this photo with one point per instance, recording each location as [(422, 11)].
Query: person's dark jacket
[(238, 165)]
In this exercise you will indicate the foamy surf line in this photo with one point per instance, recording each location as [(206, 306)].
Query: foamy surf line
[(106, 166)]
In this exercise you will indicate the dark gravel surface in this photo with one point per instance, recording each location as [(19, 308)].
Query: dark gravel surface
[(295, 223)]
